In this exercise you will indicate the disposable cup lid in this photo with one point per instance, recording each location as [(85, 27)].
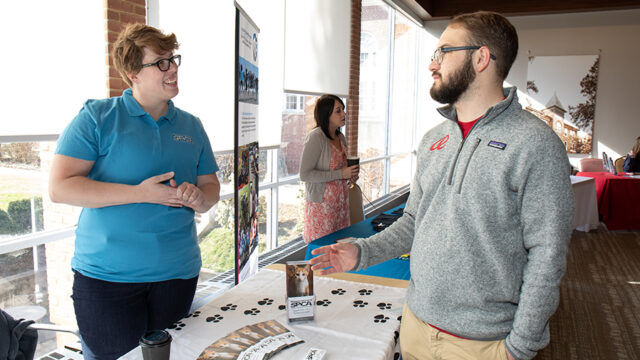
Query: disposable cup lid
[(155, 337)]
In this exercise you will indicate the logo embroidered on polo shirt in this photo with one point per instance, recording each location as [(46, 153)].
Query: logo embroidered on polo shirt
[(183, 138), (439, 145), (497, 145)]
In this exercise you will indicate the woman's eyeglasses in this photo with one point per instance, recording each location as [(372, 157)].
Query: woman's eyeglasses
[(165, 64)]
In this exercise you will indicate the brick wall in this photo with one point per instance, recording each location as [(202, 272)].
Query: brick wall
[(119, 13), (354, 79)]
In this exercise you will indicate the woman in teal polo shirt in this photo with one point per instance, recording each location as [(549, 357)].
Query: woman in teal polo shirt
[(139, 167)]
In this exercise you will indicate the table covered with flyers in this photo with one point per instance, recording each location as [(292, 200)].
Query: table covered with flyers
[(397, 268), (352, 320)]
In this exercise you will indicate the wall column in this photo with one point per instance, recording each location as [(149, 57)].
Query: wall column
[(118, 14), (353, 101)]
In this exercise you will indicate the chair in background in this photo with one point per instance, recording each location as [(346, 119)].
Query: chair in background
[(611, 167), (356, 207), (19, 335), (619, 163), (590, 165)]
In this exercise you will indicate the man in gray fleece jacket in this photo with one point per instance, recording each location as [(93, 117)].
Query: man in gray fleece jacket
[(488, 219)]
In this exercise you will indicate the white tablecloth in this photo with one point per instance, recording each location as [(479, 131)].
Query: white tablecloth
[(352, 320), (586, 215)]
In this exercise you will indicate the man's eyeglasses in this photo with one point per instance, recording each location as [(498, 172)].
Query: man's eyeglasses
[(439, 53), (165, 64)]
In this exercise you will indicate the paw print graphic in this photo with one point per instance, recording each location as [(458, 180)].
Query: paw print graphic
[(282, 307), (323, 302), (215, 318), (338, 291), (265, 301), (380, 318), (196, 314), (383, 306), (360, 303), (400, 318), (364, 292), (177, 325), (252, 311), (231, 307), (396, 335)]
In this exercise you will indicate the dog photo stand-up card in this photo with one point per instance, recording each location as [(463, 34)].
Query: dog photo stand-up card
[(300, 297)]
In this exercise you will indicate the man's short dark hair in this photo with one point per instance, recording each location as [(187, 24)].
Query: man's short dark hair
[(494, 31)]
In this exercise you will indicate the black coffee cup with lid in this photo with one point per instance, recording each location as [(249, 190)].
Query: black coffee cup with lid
[(156, 345), (353, 160)]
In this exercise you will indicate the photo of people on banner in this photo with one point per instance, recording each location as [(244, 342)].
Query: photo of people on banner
[(247, 82), (248, 201)]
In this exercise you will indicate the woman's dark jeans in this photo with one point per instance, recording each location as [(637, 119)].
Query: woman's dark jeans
[(113, 316)]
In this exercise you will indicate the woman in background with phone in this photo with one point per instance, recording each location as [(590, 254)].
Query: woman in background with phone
[(324, 170)]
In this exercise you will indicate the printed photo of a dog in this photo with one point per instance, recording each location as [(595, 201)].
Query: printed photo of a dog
[(299, 280)]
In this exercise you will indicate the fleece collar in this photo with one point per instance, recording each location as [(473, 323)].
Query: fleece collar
[(449, 112)]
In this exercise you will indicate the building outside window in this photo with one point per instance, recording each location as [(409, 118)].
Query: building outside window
[(294, 102)]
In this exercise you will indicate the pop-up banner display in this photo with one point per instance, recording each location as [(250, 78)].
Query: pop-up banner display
[(246, 146)]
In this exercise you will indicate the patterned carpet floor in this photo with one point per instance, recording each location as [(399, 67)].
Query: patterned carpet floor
[(599, 312)]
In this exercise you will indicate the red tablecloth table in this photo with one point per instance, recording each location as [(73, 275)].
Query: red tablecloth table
[(618, 199)]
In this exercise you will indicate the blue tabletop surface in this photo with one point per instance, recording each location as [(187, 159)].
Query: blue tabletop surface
[(397, 268)]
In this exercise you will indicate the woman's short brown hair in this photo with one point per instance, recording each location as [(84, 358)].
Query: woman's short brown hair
[(128, 50)]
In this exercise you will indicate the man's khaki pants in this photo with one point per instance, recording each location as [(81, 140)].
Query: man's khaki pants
[(420, 341)]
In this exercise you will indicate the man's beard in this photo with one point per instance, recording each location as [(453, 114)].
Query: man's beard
[(449, 92)]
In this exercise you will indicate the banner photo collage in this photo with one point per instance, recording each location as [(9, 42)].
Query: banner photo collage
[(247, 150)]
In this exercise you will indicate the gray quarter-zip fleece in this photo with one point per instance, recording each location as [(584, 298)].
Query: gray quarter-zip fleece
[(488, 223)]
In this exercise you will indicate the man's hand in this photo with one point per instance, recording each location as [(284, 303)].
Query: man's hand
[(338, 257)]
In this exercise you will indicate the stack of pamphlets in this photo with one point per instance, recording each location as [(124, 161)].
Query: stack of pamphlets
[(252, 342)]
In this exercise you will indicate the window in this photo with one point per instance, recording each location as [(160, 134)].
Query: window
[(375, 42), (389, 55), (36, 236), (368, 48), (294, 103), (28, 267)]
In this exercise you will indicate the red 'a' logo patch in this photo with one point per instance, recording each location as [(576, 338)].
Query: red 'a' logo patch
[(439, 145)]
